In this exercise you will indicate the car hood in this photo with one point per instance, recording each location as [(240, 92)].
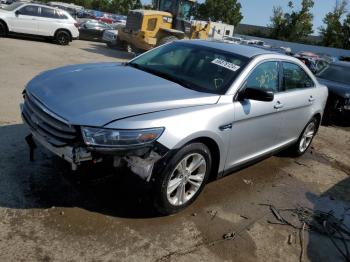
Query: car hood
[(340, 89), (96, 94)]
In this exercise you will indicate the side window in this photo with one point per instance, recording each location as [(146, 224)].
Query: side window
[(31, 10), (61, 15), (294, 77), (152, 23), (264, 76), (48, 12), (90, 25)]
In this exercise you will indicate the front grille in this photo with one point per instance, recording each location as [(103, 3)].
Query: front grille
[(134, 21), (55, 131)]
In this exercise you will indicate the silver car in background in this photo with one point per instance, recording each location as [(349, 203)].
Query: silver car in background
[(177, 115)]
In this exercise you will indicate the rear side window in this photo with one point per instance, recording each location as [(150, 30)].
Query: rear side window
[(48, 12), (264, 76), (294, 77), (31, 10), (52, 13)]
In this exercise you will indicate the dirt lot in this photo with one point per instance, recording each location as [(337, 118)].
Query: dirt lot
[(47, 213)]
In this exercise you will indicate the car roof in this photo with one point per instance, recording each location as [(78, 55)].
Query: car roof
[(242, 50)]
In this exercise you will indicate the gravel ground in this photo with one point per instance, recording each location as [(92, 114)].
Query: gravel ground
[(48, 213)]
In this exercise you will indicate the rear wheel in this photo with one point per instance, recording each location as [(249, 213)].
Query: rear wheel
[(62, 38), (3, 29), (183, 178), (167, 39), (305, 139)]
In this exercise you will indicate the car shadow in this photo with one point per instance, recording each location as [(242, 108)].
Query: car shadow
[(335, 200), (102, 49), (49, 182), (31, 38)]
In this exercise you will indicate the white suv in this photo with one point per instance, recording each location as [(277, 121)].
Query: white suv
[(41, 20)]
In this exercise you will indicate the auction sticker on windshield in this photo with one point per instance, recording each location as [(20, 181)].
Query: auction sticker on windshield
[(227, 65)]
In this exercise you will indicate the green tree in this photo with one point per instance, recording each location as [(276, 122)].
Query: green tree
[(333, 31), (293, 25), (346, 32), (123, 6), (277, 22), (227, 11)]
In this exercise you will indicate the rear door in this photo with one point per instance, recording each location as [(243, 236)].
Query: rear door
[(257, 123), (295, 101), (25, 21), (48, 21)]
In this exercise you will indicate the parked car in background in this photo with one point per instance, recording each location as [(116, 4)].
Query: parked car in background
[(110, 37), (93, 30), (119, 19), (106, 18), (314, 62), (336, 76), (177, 115), (38, 20), (7, 2), (72, 9)]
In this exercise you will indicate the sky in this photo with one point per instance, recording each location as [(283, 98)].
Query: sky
[(258, 12)]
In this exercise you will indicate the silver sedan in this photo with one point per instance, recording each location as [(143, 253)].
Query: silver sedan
[(177, 115)]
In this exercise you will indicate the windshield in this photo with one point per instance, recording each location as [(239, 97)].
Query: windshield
[(335, 73), (12, 6), (195, 67)]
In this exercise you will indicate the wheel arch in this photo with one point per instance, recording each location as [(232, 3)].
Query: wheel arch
[(318, 117), (4, 22), (214, 151), (65, 30)]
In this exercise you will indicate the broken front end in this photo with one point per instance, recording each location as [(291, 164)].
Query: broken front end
[(136, 149)]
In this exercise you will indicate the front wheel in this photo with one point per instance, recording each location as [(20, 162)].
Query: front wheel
[(3, 29), (183, 178)]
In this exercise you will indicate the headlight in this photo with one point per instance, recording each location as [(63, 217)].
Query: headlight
[(119, 138)]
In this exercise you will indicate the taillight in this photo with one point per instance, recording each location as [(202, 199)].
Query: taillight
[(76, 25)]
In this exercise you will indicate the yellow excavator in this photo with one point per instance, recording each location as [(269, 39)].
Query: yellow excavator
[(170, 21)]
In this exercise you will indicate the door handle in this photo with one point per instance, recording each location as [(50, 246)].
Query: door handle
[(311, 99), (225, 127), (278, 105)]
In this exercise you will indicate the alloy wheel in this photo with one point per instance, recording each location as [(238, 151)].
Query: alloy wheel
[(62, 39), (186, 179), (307, 136)]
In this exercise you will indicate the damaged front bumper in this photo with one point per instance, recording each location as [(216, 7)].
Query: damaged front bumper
[(141, 161), (64, 141)]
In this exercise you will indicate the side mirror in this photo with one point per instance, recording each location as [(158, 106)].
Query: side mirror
[(256, 94), (17, 13)]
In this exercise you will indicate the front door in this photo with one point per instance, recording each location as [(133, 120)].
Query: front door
[(25, 21), (257, 123)]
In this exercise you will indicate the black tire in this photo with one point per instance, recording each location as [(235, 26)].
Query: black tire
[(167, 39), (296, 149), (162, 179), (3, 29), (62, 38)]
